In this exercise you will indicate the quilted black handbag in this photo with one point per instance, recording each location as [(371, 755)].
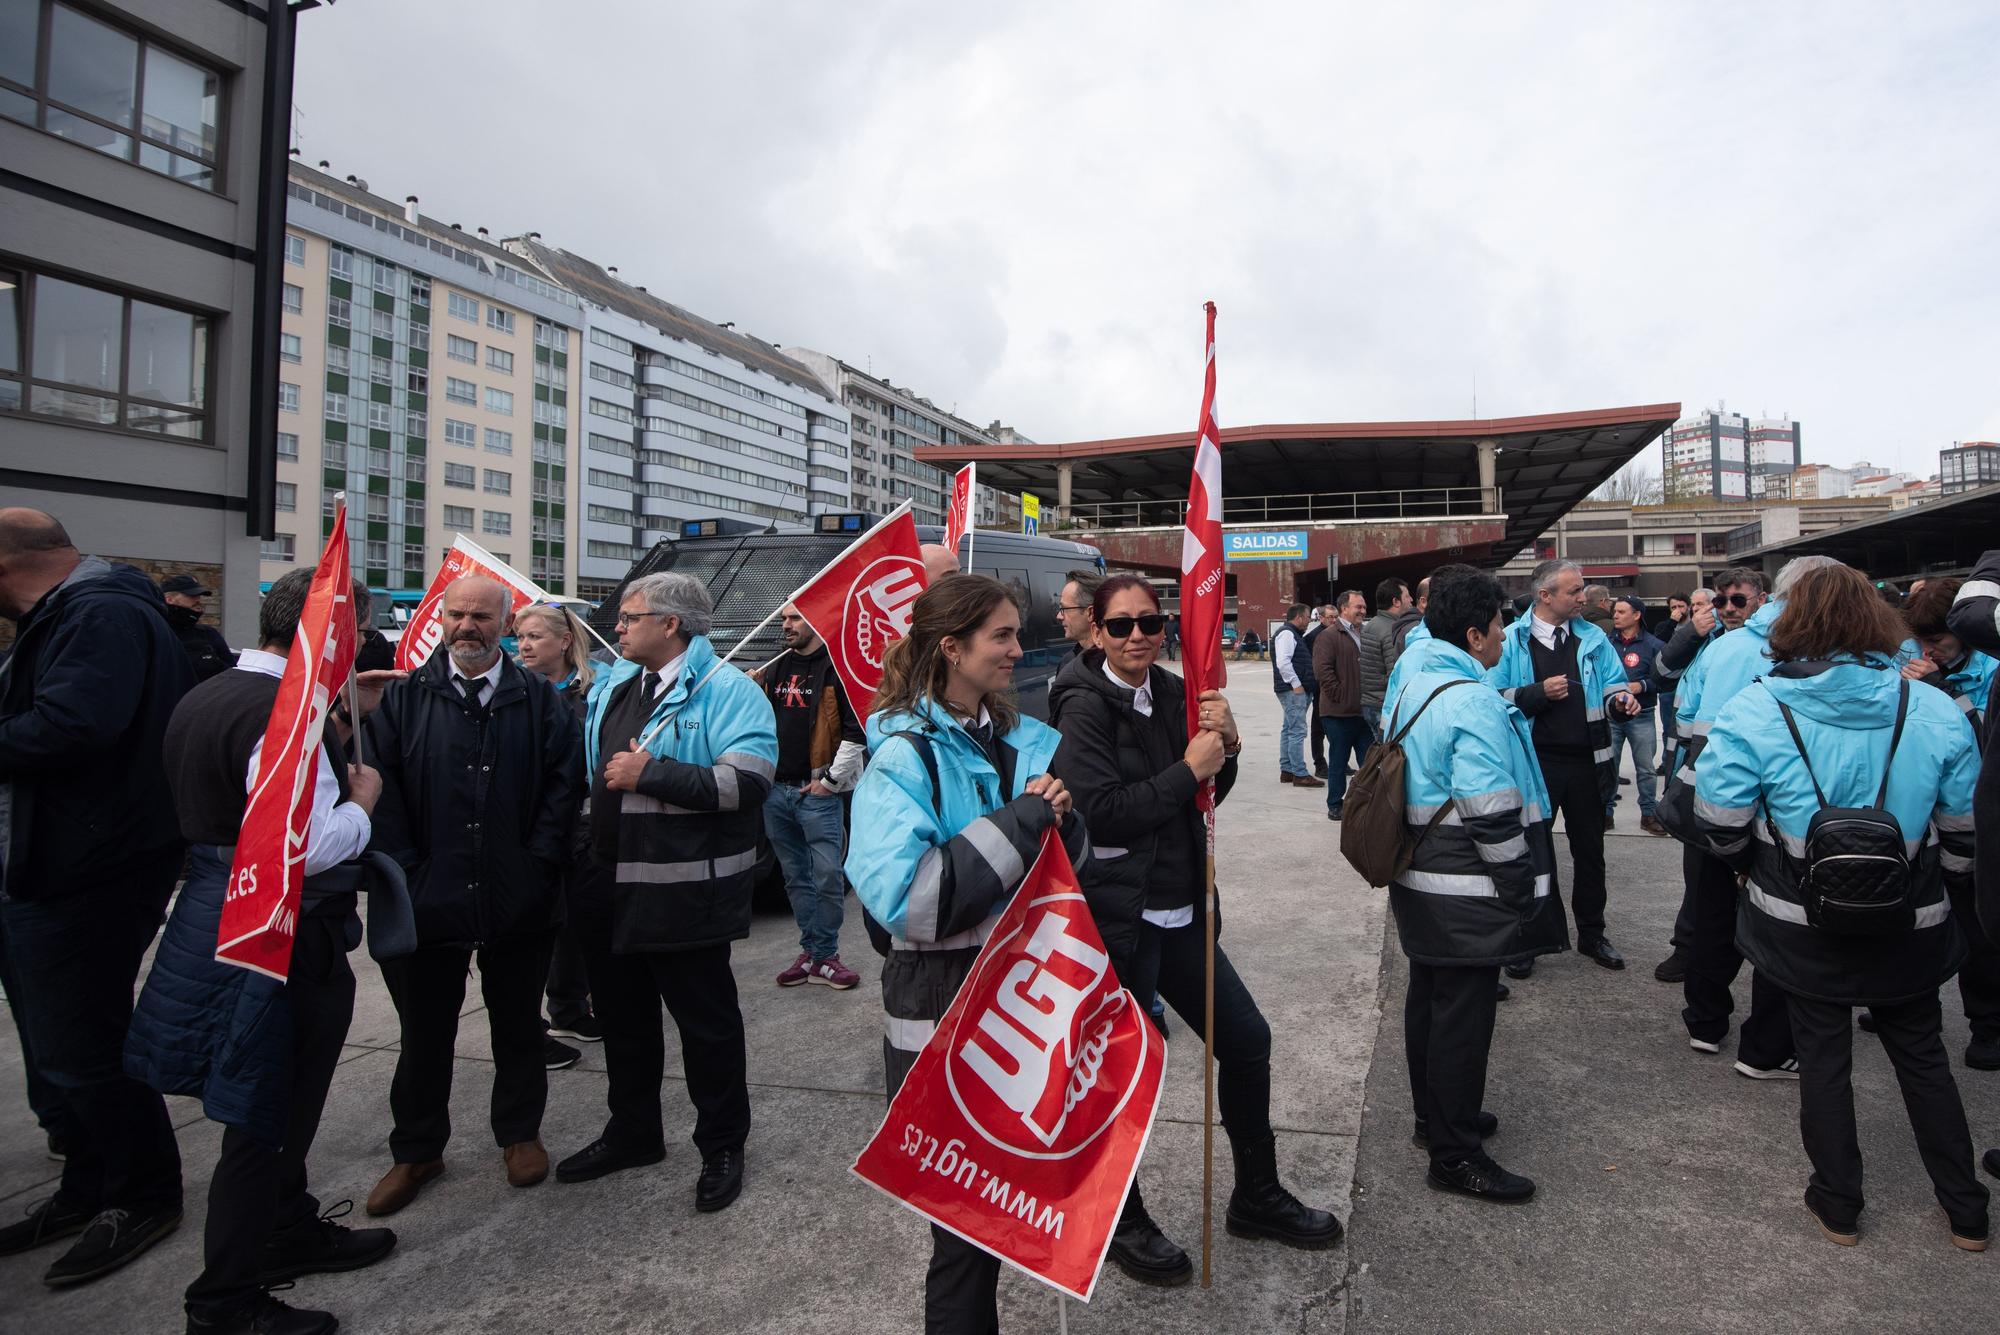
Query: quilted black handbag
[(1856, 879)]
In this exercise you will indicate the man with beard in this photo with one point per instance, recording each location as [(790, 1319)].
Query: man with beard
[(482, 777)]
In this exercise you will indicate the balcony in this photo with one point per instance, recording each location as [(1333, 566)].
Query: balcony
[(1426, 503)]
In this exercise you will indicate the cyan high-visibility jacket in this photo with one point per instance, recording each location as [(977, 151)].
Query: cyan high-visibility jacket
[(1968, 684), (687, 838), (1479, 889), (938, 876), (1754, 800), (1602, 671), (1731, 662)]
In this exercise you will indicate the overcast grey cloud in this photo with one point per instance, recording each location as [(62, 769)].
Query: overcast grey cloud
[(1017, 209)]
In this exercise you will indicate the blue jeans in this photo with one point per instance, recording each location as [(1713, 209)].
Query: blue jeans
[(1372, 716), (1292, 737), (1642, 733), (806, 834), (1343, 736)]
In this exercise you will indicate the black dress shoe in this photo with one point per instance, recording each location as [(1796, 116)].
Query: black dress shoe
[(324, 1247), (1991, 1162), (1983, 1053), (1521, 969), (111, 1239), (1672, 969), (1503, 992), (48, 1221), (1486, 1122), (1596, 948), (260, 1315), (721, 1181), (1146, 1254), (1479, 1177), (600, 1156)]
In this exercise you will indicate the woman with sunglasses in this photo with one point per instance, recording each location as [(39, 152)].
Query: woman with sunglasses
[(948, 820), (1127, 757)]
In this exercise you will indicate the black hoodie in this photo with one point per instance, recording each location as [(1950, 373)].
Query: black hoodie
[(84, 702)]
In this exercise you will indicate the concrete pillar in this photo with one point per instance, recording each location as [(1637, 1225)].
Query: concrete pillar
[(1062, 488), (1489, 496)]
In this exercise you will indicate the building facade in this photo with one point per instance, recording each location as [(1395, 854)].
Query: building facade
[(426, 373), (1775, 448), (1719, 455), (683, 419), (138, 143), (1968, 465)]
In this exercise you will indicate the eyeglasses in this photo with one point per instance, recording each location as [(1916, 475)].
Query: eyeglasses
[(627, 618), (1119, 628), (1733, 599), (1062, 606)]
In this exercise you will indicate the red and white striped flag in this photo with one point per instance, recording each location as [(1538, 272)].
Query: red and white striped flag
[(958, 516), (260, 910), (1201, 568)]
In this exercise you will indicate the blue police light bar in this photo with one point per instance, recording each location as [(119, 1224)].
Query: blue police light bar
[(842, 523), (698, 528)]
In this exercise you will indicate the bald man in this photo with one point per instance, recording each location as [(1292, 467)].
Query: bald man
[(90, 848), (939, 561), (482, 778)]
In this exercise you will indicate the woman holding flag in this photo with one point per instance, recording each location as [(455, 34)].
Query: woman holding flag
[(1127, 757), (948, 819)]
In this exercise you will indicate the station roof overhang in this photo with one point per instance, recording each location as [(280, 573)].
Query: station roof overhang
[(1943, 537), (1544, 465)]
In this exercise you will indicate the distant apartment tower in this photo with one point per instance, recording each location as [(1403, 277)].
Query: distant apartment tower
[(1719, 455), (889, 423), (425, 373), (138, 297), (1812, 482), (684, 419), (1968, 465)]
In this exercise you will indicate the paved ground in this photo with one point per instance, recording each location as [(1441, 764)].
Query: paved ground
[(1695, 1228)]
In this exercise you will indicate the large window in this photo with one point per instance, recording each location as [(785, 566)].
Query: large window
[(460, 475), (499, 483), (460, 391), (496, 521), (499, 359), (462, 307), (459, 433), (502, 320), (458, 517), (295, 249), (87, 81), (88, 355), (284, 547), (460, 349), (499, 401), (295, 299), (498, 441)]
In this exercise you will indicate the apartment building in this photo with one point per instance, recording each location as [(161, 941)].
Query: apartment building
[(426, 373), (1719, 455), (1968, 465)]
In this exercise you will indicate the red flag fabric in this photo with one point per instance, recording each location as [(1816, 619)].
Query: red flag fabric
[(958, 515), (466, 557), (1021, 1124), (260, 909), (1202, 590), (860, 604)]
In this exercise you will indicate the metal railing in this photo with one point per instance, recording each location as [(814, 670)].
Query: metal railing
[(1293, 508)]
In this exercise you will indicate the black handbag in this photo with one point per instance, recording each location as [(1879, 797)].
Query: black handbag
[(1856, 875)]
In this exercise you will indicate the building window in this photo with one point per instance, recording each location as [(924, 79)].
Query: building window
[(496, 521), (499, 359), (462, 307), (499, 401), (459, 433), (461, 475), (499, 483), (288, 445), (460, 349), (460, 391), (295, 250), (502, 320), (340, 312), (336, 408), (288, 398), (381, 416), (499, 442), (288, 497), (284, 547), (89, 355), (295, 299), (290, 347), (458, 516)]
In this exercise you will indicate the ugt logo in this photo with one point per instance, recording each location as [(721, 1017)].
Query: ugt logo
[(1048, 1053), (879, 604)]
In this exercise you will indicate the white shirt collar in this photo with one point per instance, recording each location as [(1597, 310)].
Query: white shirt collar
[(1544, 633), (1142, 698), (256, 660), (489, 680), (671, 673)]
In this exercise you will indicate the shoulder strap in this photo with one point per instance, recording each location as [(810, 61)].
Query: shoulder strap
[(1402, 732), (1902, 712), (928, 754), (1792, 727)]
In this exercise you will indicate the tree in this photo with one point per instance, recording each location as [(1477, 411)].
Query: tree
[(1634, 484)]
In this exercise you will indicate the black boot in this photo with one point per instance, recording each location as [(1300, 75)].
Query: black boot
[(1260, 1207), (1142, 1251)]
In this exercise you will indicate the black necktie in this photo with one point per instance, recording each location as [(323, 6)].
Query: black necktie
[(470, 688), (1561, 638)]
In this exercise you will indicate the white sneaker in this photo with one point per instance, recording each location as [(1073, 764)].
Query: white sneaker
[(1785, 1070), (1703, 1045)]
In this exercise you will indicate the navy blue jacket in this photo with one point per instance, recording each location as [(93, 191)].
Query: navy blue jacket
[(84, 702), (1637, 655)]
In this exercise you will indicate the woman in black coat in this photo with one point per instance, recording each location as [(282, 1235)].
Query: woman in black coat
[(1134, 771)]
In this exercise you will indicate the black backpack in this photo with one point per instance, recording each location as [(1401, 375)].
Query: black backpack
[(878, 935), (1856, 880)]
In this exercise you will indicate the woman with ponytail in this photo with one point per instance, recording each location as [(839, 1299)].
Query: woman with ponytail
[(948, 818)]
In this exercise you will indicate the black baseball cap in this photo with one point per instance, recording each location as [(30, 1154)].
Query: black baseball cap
[(185, 584)]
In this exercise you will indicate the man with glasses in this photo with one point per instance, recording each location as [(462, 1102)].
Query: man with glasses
[(1073, 609)]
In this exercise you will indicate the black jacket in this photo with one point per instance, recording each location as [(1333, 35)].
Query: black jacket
[(478, 808), (1125, 773), (1975, 619), (84, 702), (208, 653)]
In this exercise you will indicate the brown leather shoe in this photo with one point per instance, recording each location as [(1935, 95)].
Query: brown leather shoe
[(527, 1163), (1651, 826), (400, 1185), (1307, 781)]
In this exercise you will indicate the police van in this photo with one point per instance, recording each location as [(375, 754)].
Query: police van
[(750, 570)]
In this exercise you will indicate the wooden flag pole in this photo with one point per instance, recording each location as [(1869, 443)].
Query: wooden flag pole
[(1208, 1057)]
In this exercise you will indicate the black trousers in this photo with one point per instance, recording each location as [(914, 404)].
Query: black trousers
[(1447, 1033), (1912, 1035), (428, 987), (961, 1288), (1575, 792), (1979, 976), (1765, 1038), (569, 979), (1318, 736), (258, 1193), (699, 991), (69, 963), (1168, 960)]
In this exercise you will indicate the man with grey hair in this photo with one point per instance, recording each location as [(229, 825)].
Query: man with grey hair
[(681, 750), (481, 781)]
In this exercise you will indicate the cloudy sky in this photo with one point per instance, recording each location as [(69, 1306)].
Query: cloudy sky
[(1018, 208)]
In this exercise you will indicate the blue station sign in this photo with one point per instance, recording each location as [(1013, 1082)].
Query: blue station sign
[(1279, 545)]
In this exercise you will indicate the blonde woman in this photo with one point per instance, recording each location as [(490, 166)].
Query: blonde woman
[(550, 641)]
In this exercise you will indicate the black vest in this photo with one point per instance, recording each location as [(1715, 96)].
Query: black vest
[(207, 752), (1563, 726)]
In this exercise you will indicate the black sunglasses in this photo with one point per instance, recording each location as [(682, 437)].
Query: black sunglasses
[(1119, 628), (1734, 599)]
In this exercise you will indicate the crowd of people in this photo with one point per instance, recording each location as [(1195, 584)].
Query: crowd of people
[(584, 832)]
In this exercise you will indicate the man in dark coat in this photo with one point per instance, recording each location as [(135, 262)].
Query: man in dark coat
[(207, 651), (260, 1052), (90, 850), (1336, 670), (481, 779)]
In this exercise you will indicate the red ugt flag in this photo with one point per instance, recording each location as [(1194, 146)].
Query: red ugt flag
[(860, 604), (1201, 563), (426, 629), (260, 909), (1021, 1124), (958, 515)]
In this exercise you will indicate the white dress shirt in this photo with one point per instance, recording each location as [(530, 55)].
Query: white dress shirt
[(489, 680), (1142, 701), (1544, 633), (338, 830)]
